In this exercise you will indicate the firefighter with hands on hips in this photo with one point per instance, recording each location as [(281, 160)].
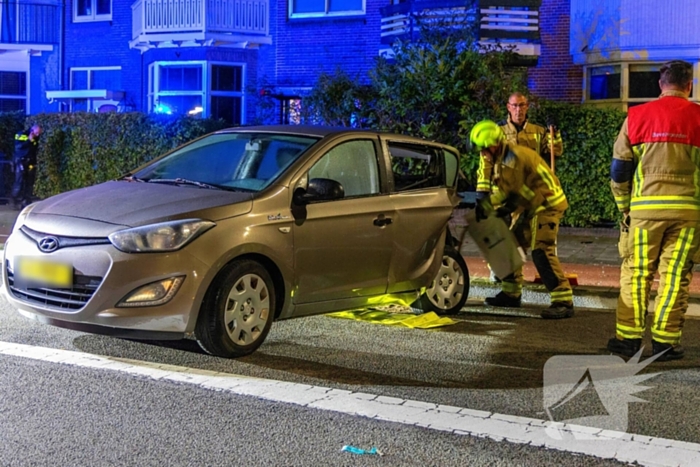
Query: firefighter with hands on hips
[(522, 181), (655, 179), (519, 130), (24, 161)]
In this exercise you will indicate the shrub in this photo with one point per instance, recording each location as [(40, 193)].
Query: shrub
[(584, 168), (81, 149), (439, 86)]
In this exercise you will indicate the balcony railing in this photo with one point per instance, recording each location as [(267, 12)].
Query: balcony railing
[(200, 20), (499, 20), (28, 23)]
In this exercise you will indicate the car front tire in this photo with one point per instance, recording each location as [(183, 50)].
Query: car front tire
[(237, 310), (450, 288)]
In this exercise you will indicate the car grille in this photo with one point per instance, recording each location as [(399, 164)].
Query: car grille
[(68, 299)]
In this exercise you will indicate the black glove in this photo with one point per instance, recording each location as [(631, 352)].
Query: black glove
[(482, 209), (508, 207), (551, 122), (503, 211)]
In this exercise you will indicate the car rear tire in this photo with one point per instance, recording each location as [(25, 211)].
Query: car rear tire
[(450, 288), (237, 310)]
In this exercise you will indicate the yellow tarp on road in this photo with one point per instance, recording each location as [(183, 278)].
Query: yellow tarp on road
[(422, 321)]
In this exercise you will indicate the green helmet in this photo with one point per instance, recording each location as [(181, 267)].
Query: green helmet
[(486, 134)]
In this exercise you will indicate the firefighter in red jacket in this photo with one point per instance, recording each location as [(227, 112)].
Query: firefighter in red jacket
[(522, 181), (655, 175)]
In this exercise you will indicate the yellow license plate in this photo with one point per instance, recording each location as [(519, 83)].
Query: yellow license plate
[(41, 273)]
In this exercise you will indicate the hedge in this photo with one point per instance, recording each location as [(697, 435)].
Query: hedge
[(584, 168), (82, 149)]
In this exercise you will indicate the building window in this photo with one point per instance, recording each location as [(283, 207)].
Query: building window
[(624, 85), (83, 79), (316, 8), (13, 91), (604, 82), (644, 81), (177, 87), (92, 10), (227, 93), (199, 89)]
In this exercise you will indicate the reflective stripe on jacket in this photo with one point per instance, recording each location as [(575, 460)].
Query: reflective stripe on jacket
[(25, 149), (659, 143), (522, 174), (534, 137), (531, 135)]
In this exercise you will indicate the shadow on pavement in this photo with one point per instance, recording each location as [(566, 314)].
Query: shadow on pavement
[(487, 349)]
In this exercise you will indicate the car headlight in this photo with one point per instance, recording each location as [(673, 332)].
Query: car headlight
[(165, 236)]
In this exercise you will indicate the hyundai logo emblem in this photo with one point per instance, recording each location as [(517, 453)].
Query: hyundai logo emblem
[(48, 244)]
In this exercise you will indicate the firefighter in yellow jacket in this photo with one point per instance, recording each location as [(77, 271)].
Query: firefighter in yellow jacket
[(521, 180), (655, 175), (519, 130)]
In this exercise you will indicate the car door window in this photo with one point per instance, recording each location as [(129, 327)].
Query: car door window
[(418, 167), (451, 167), (353, 164)]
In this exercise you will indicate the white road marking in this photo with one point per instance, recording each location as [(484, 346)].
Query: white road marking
[(606, 444)]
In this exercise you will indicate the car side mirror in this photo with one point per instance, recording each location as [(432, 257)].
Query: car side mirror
[(319, 189)]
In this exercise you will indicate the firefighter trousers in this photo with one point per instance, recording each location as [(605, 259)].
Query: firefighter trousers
[(540, 233), (666, 246)]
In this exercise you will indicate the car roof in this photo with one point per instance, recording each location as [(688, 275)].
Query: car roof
[(319, 131)]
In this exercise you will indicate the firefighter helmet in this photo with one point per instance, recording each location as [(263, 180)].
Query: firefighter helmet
[(486, 134)]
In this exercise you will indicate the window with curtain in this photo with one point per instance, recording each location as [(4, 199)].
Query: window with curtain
[(92, 10)]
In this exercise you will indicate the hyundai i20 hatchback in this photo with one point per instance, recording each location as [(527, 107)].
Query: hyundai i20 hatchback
[(224, 235)]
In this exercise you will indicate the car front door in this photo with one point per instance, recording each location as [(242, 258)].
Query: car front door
[(422, 184), (343, 247)]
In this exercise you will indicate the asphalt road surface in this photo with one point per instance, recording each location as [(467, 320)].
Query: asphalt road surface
[(64, 412)]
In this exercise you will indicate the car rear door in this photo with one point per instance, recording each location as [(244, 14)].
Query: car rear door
[(342, 248), (422, 181)]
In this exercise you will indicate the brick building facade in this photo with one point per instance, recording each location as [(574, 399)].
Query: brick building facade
[(556, 76), (176, 54)]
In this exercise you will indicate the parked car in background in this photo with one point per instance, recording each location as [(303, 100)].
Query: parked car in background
[(224, 235)]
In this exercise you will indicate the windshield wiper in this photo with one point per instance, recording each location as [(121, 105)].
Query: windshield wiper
[(183, 181), (131, 178)]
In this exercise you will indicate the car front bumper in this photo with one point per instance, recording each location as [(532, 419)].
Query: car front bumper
[(103, 276)]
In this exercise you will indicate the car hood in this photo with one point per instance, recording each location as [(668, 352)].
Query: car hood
[(130, 204)]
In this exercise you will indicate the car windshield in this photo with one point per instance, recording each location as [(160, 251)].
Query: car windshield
[(229, 161)]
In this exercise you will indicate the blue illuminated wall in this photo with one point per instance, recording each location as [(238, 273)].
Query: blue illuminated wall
[(303, 48), (104, 43), (622, 43), (634, 30)]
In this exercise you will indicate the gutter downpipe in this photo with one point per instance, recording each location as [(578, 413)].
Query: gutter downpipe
[(61, 50)]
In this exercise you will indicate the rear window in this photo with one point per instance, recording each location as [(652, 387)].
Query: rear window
[(417, 167)]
